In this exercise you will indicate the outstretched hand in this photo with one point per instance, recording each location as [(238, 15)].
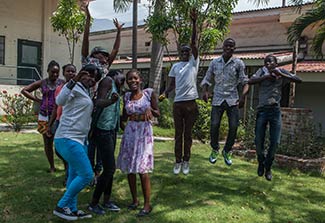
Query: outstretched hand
[(117, 24), (79, 76)]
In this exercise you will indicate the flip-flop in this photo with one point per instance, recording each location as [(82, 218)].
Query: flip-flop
[(144, 212), (133, 206)]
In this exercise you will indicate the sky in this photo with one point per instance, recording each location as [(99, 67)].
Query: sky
[(103, 9)]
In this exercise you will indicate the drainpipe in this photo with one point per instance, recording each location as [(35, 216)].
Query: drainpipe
[(43, 37)]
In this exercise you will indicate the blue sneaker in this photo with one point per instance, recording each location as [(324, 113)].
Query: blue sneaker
[(227, 157), (213, 156), (97, 209), (111, 206)]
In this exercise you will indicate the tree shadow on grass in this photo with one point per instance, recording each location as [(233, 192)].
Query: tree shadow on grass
[(210, 193), (228, 187)]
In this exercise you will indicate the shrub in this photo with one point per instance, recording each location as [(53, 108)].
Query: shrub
[(18, 110), (249, 130), (165, 119), (201, 129)]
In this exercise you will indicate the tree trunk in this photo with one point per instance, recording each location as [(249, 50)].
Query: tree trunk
[(157, 55), (292, 93), (134, 34)]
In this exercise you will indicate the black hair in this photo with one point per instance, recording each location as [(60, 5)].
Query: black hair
[(113, 73), (133, 71), (270, 57), (68, 65), (52, 64), (91, 69), (229, 39)]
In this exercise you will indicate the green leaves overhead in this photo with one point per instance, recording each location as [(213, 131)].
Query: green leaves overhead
[(69, 21), (214, 18), (315, 18)]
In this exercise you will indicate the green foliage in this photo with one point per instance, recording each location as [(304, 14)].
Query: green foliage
[(165, 119), (18, 109), (159, 24), (313, 17), (249, 127), (69, 21), (201, 128), (212, 22)]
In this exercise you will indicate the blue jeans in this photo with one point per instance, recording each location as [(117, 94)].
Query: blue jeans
[(272, 116), (233, 121), (80, 171)]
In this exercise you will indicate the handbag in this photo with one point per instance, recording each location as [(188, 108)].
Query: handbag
[(42, 126)]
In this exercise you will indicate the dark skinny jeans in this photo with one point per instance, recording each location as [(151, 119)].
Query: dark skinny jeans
[(105, 142), (271, 116), (233, 121)]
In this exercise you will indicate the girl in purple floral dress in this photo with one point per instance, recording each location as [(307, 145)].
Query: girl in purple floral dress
[(136, 153)]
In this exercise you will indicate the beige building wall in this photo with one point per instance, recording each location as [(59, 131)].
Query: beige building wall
[(253, 31), (29, 20)]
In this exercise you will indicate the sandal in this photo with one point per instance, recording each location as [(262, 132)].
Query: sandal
[(144, 213), (133, 206)]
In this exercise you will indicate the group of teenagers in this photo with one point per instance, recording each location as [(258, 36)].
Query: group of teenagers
[(82, 112)]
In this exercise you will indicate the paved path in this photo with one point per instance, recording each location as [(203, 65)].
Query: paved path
[(31, 128)]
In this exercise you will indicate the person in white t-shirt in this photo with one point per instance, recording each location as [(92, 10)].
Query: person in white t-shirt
[(182, 78)]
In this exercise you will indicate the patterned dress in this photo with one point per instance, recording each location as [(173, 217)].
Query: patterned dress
[(136, 152)]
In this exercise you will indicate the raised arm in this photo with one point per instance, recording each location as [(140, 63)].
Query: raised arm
[(27, 91), (194, 34), (117, 43), (286, 74), (85, 41)]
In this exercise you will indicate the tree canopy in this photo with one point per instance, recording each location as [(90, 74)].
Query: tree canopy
[(69, 21), (214, 17)]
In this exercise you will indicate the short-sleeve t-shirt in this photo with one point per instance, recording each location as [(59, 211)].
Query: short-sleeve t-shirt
[(185, 74)]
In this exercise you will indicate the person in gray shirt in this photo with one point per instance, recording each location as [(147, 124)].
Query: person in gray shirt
[(270, 80), (227, 72)]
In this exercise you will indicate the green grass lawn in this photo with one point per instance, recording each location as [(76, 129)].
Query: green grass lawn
[(210, 193)]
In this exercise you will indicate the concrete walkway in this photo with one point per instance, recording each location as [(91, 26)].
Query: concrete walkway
[(31, 128)]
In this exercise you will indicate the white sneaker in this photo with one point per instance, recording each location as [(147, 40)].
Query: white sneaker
[(186, 167), (177, 168)]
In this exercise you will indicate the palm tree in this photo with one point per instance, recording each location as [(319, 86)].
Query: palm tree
[(313, 17), (157, 52)]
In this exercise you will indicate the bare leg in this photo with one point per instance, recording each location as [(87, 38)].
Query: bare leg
[(133, 187), (48, 148), (146, 188)]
